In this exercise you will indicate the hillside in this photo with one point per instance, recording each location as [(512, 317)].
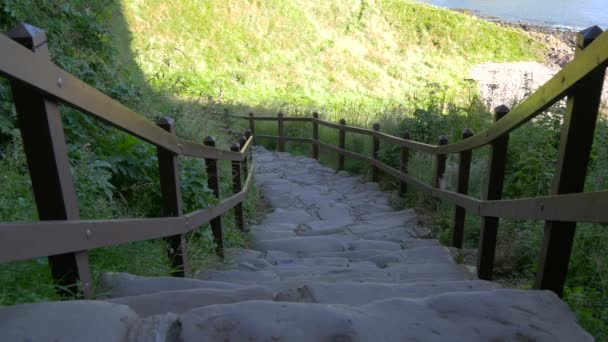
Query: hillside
[(345, 57), (399, 62)]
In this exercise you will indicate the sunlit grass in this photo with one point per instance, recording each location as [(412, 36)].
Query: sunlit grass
[(344, 58)]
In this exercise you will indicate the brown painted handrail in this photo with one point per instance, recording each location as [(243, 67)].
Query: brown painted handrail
[(594, 57), (19, 241), (19, 64), (555, 208), (581, 81), (34, 76), (38, 86)]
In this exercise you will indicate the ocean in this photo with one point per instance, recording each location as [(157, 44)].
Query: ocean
[(574, 14)]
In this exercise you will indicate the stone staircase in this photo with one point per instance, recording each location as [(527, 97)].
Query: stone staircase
[(332, 262)]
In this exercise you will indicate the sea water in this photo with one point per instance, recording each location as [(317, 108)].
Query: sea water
[(575, 14)]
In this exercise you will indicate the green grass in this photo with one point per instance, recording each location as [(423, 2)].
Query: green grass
[(351, 59), (115, 175), (400, 63)]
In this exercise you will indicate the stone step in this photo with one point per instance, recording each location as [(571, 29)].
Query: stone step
[(66, 321), (357, 293), (118, 284), (350, 293), (333, 262), (179, 301), (498, 315), (361, 271), (491, 315), (255, 260), (305, 245)]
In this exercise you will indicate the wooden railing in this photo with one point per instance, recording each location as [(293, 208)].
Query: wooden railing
[(38, 86), (581, 82)]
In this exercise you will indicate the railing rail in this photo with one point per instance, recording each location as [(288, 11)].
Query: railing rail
[(581, 81), (38, 85)]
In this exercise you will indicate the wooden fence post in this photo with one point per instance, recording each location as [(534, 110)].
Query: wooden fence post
[(43, 138), (171, 196), (341, 144), (464, 169), (493, 191), (252, 126), (572, 160), (281, 124), (440, 163), (375, 152), (213, 181), (405, 157), (236, 188), (315, 136)]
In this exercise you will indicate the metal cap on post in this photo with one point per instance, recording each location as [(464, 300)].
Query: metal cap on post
[(213, 182), (467, 133), (500, 112), (242, 142), (209, 141), (45, 149)]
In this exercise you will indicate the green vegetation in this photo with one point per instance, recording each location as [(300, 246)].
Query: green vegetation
[(115, 174), (399, 63), (350, 59)]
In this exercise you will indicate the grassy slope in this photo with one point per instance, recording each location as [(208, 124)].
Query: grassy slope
[(352, 59), (355, 57), (362, 60)]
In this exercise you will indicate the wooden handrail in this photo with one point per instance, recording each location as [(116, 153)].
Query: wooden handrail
[(594, 57), (21, 65), (581, 207), (581, 80), (38, 85), (20, 241), (33, 75)]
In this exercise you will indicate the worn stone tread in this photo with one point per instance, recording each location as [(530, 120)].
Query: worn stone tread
[(333, 261), (497, 315)]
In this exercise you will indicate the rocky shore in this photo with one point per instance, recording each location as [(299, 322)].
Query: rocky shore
[(561, 42), (509, 83)]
